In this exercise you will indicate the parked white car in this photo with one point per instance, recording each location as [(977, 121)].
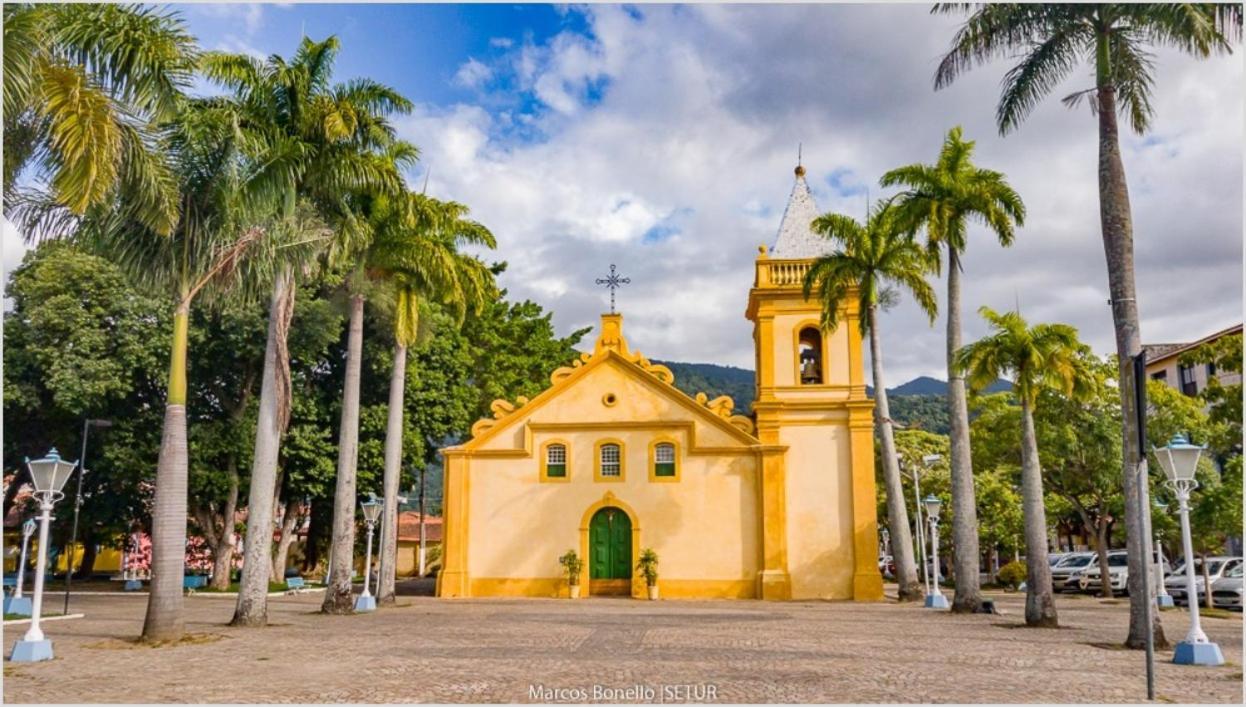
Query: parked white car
[(1226, 592), (1069, 565), (1176, 584), (1088, 580)]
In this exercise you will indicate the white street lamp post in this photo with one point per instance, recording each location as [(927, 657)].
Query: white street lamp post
[(49, 476), (19, 604), (1163, 599), (371, 511), (1179, 460), (934, 598)]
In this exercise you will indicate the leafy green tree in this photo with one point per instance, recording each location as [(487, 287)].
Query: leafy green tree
[(1043, 356), (944, 198), (871, 262), (1051, 40), (80, 341), (1079, 443), (995, 432), (82, 86)]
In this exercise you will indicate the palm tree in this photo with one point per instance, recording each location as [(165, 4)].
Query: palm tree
[(333, 143), (944, 197), (82, 83), (415, 249), (216, 231), (1038, 357), (1051, 40), (872, 258)]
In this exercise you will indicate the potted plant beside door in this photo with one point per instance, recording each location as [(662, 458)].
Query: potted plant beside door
[(572, 563), (648, 567)]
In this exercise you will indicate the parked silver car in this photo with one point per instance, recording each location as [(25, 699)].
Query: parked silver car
[(1226, 592), (1176, 583)]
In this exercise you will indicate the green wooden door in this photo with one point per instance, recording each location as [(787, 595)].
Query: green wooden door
[(610, 545)]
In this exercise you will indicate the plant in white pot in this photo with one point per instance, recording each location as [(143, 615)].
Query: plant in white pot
[(572, 563), (648, 567)]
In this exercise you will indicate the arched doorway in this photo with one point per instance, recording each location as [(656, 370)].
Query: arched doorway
[(610, 552)]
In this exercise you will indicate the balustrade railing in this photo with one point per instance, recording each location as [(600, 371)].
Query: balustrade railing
[(782, 273)]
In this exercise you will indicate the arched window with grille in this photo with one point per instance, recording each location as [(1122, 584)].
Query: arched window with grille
[(555, 461), (610, 460), (664, 460)]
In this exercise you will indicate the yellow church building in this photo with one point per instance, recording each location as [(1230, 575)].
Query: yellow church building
[(611, 458)]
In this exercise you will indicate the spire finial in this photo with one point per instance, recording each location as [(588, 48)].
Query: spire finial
[(800, 168)]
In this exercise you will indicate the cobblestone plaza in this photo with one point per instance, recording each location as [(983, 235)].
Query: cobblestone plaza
[(532, 650)]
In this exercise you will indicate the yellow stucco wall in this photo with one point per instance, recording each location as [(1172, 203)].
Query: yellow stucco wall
[(819, 510)]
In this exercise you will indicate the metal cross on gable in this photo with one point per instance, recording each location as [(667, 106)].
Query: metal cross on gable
[(613, 282)]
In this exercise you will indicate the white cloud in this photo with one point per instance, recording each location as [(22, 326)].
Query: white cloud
[(250, 15), (473, 74), (700, 112)]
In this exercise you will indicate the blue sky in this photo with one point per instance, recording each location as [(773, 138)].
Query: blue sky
[(418, 49), (662, 138)]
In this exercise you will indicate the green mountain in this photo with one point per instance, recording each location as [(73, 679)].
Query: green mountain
[(916, 404), (715, 380)]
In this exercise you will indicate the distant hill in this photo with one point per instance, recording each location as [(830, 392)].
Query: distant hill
[(925, 385), (715, 380), (919, 403)]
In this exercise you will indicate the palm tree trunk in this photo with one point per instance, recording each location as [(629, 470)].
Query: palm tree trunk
[(252, 606), (1040, 606), (165, 620), (393, 470), (1117, 226), (337, 599), (968, 595), (897, 512)]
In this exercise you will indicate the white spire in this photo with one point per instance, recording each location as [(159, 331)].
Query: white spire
[(796, 239)]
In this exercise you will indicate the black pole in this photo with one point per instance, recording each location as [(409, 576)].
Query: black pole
[(73, 536), (419, 561), (1144, 507)]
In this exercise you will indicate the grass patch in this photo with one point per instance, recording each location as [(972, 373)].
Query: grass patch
[(46, 615), (1217, 613)]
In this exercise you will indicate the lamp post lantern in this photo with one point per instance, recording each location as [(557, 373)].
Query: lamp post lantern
[(18, 604), (1163, 599), (934, 597), (1179, 459), (49, 476), (371, 511)]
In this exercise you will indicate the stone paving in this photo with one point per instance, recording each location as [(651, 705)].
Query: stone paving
[(479, 650)]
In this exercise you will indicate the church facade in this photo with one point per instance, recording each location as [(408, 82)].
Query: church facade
[(611, 459)]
